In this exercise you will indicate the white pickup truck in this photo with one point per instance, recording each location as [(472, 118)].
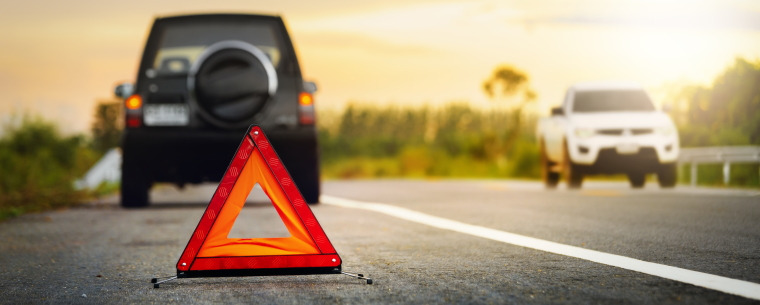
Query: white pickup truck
[(607, 128)]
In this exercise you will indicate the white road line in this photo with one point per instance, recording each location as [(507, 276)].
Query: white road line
[(719, 283)]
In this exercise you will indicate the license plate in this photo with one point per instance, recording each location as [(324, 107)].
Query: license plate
[(627, 149), (166, 115)]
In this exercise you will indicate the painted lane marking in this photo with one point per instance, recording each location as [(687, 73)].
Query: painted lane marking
[(715, 282)]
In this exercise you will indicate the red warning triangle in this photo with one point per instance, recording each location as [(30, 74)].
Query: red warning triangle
[(210, 253)]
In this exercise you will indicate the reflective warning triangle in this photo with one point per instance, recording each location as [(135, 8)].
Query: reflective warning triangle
[(210, 253)]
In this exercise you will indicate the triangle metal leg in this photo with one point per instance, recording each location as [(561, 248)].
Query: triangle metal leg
[(157, 281), (358, 276)]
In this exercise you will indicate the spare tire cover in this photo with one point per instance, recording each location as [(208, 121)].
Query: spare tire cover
[(230, 82)]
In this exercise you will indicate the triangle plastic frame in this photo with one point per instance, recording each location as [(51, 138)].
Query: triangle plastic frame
[(322, 259)]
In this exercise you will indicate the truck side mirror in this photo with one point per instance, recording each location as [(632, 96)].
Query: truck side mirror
[(124, 90), (558, 111)]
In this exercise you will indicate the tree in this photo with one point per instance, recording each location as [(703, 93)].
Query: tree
[(107, 127), (728, 113), (509, 84)]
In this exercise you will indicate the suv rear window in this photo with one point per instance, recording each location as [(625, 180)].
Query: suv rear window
[(612, 100), (181, 43)]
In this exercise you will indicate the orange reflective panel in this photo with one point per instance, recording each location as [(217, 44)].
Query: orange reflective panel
[(210, 252), (218, 245)]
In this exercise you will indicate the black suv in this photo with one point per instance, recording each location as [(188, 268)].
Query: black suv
[(202, 81)]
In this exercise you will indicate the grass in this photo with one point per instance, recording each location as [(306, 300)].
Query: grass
[(39, 167), (742, 175), (455, 141)]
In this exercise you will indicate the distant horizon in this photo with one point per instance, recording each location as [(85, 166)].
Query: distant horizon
[(60, 58)]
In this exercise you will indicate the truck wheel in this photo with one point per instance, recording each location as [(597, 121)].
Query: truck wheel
[(573, 173), (551, 179), (667, 175), (637, 179), (134, 188)]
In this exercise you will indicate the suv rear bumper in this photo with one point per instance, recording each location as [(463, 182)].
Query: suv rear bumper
[(181, 156)]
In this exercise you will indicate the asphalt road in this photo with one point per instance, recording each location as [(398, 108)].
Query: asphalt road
[(100, 253)]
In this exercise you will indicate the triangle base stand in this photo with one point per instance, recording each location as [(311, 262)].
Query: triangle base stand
[(258, 272), (160, 280)]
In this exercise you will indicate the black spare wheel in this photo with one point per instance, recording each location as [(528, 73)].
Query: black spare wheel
[(231, 82)]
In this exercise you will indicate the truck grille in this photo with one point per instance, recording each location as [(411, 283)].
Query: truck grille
[(610, 132), (641, 131), (619, 131)]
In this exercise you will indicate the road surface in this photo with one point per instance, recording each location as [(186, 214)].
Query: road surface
[(100, 253)]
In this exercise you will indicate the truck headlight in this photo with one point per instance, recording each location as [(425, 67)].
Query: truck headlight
[(665, 130), (584, 132)]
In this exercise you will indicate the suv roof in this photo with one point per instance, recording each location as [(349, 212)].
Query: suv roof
[(216, 15), (163, 21)]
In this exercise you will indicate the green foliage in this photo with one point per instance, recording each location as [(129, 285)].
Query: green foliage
[(454, 141), (728, 113), (107, 127), (512, 82), (105, 188), (39, 166)]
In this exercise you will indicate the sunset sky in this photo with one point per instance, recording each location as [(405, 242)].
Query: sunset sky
[(58, 57)]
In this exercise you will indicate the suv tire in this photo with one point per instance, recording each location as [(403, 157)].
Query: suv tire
[(310, 189), (305, 173), (134, 188), (667, 175), (573, 172)]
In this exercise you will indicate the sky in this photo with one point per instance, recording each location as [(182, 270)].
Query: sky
[(57, 58)]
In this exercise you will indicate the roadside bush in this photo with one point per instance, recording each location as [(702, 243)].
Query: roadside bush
[(38, 167), (456, 140), (727, 113)]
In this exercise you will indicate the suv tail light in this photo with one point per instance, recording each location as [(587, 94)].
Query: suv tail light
[(133, 121), (134, 102), (134, 110), (306, 108)]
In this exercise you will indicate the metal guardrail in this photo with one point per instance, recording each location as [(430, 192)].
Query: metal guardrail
[(718, 154)]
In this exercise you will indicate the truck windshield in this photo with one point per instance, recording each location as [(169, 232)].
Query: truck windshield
[(612, 100), (181, 44)]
